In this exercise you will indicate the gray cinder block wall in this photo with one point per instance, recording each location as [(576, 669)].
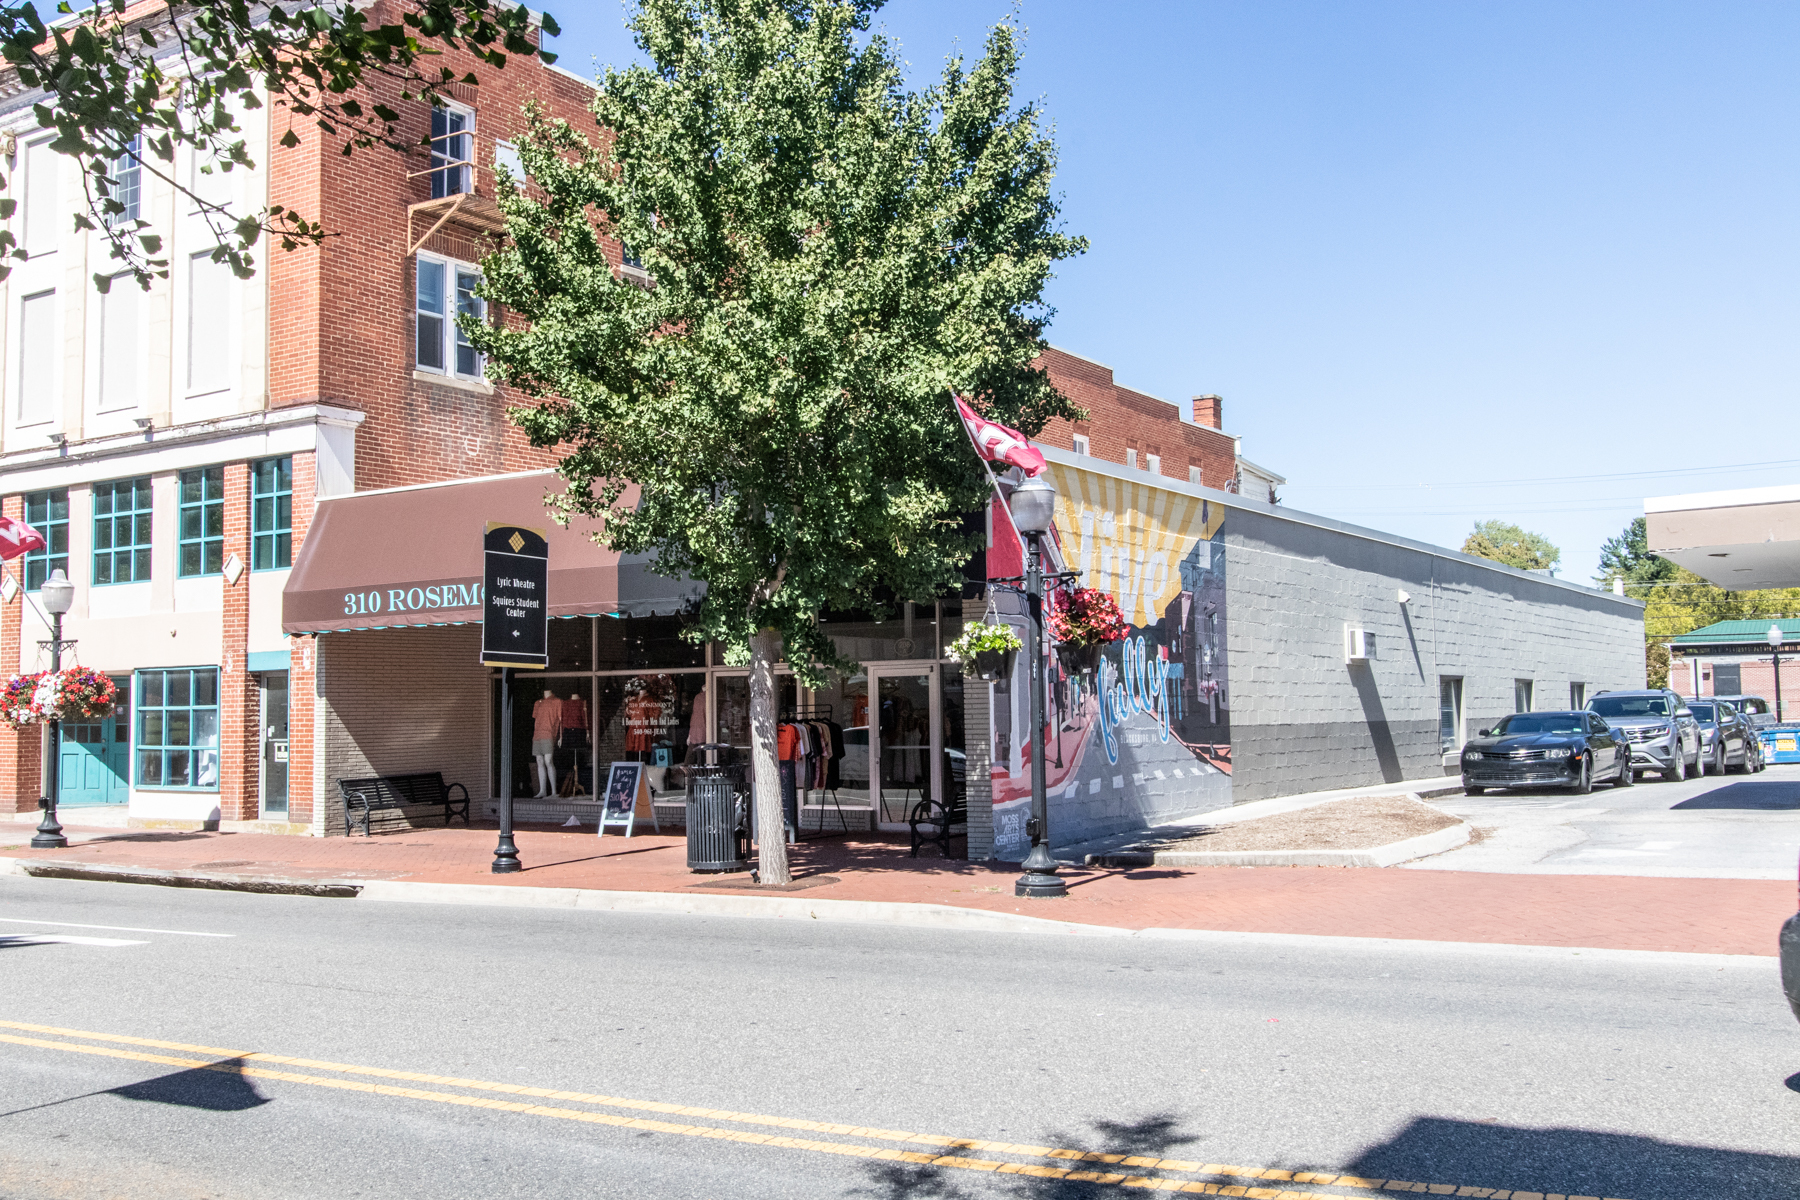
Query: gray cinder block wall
[(1303, 719)]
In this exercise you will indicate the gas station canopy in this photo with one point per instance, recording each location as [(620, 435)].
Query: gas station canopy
[(1739, 540)]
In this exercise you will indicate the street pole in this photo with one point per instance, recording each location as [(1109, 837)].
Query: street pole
[(1776, 637), (49, 831), (506, 854), (1040, 878)]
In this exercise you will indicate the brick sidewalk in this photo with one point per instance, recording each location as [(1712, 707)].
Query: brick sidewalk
[(1722, 916)]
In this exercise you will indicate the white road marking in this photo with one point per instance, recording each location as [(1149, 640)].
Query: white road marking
[(117, 928), (67, 939)]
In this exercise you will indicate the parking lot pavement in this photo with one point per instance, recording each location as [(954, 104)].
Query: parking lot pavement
[(1730, 827)]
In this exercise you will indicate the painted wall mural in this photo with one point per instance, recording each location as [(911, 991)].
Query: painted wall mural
[(1146, 736)]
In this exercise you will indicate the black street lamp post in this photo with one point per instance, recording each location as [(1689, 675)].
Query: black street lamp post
[(58, 595), (1033, 505), (1775, 640)]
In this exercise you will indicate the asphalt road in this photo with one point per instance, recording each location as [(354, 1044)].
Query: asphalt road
[(124, 1065), (1722, 827)]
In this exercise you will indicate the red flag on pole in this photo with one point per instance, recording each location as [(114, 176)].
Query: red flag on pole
[(16, 538), (997, 443)]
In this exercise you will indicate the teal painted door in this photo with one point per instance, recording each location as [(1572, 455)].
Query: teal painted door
[(95, 757)]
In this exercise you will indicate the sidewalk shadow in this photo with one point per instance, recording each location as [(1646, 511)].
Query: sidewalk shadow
[(1765, 796), (198, 1087)]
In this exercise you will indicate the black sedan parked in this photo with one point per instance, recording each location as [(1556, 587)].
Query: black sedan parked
[(1547, 749)]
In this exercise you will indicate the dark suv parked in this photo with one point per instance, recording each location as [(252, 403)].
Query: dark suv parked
[(1727, 741), (1656, 723)]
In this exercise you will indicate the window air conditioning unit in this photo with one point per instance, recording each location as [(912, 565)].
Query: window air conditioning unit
[(1359, 644)]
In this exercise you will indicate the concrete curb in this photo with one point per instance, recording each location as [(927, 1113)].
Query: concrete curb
[(863, 912), (779, 908), (269, 885)]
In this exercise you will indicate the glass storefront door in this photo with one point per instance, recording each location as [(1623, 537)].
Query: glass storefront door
[(903, 742), (275, 744)]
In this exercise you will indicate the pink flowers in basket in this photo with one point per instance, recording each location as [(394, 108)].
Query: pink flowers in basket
[(75, 694), (1088, 617)]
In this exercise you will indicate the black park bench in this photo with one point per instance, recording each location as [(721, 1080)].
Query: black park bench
[(366, 796), (941, 819)]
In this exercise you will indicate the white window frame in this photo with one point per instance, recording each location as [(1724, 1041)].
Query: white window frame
[(1081, 445), (1525, 691), (1153, 463), (466, 163), (506, 154), (1131, 459), (448, 345), (1454, 685), (1196, 475)]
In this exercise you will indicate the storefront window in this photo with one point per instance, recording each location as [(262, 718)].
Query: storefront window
[(909, 631), (630, 643), (572, 644), (566, 716), (734, 709), (178, 729)]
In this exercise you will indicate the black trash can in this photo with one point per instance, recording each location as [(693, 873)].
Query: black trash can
[(717, 840)]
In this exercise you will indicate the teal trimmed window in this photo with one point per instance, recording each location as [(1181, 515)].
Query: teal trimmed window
[(178, 729), (202, 516), (122, 531), (271, 514), (48, 513)]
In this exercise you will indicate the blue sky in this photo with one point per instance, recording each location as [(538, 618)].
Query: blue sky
[(1423, 247)]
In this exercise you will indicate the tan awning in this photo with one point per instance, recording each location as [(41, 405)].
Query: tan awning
[(412, 556)]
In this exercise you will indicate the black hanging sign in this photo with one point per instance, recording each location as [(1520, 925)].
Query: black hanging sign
[(515, 618)]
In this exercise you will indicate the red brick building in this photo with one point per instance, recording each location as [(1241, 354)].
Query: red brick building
[(187, 450)]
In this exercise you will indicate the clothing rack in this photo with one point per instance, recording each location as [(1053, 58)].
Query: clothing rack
[(805, 712), (814, 712)]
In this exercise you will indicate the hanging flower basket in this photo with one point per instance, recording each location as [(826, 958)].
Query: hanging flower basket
[(1084, 622), (77, 694), (1077, 658), (987, 649), (992, 665), (16, 700)]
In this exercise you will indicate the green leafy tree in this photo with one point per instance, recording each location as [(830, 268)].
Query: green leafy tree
[(829, 256), (179, 74), (1628, 557), (1511, 545)]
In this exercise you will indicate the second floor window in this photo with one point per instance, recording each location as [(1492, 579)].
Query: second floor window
[(48, 513), (452, 149), (202, 522), (271, 514), (125, 182), (446, 290), (122, 530)]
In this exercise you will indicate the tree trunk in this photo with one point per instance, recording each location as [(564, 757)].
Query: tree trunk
[(771, 835)]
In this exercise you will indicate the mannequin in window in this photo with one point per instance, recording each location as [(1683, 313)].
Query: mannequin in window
[(546, 720)]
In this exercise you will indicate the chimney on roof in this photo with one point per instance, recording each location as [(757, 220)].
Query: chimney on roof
[(1209, 411)]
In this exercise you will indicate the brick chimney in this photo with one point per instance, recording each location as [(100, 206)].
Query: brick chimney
[(1209, 411)]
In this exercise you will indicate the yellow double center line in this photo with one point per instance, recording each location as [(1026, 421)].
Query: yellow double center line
[(247, 1063)]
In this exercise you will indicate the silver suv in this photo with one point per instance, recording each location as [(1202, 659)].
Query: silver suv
[(1656, 724)]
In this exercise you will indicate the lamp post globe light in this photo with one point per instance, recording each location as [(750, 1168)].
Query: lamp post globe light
[(1033, 506), (58, 596), (1775, 640)]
